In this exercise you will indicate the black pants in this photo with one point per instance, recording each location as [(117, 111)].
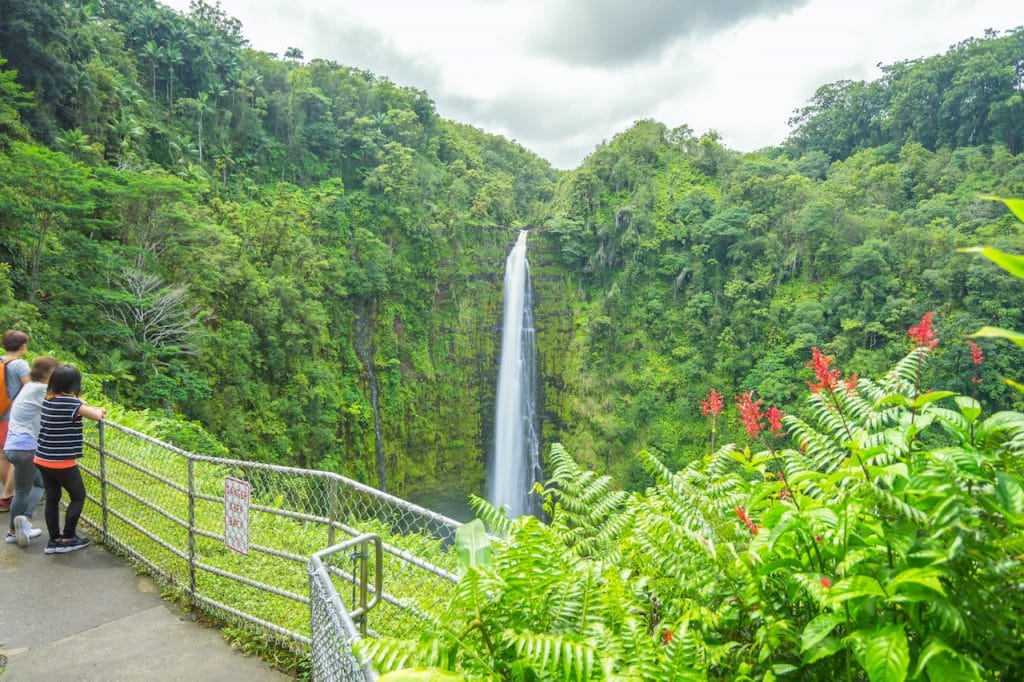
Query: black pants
[(68, 479)]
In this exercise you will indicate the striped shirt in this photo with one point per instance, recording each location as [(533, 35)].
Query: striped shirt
[(60, 432)]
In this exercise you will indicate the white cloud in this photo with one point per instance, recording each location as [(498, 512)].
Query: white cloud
[(497, 64)]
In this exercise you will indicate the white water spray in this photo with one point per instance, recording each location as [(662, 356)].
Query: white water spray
[(516, 461)]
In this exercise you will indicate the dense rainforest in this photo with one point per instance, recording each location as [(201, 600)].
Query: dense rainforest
[(301, 261)]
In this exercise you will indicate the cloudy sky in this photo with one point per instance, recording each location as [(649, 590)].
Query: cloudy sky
[(560, 76)]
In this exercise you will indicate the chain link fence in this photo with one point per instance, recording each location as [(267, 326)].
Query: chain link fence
[(333, 630), (165, 508)]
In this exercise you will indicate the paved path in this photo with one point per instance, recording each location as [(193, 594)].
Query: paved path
[(86, 615)]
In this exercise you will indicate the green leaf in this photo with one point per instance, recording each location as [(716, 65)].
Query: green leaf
[(1011, 382), (472, 546), (998, 333), (828, 647), (927, 577), (930, 397), (1016, 206), (819, 628), (883, 653), (1010, 493), (854, 587), (1009, 262), (943, 663), (969, 407)]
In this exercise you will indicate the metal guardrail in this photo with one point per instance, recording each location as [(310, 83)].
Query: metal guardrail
[(334, 629), (165, 508)]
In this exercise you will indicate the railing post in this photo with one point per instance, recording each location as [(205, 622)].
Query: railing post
[(103, 481), (364, 574), (191, 530), (332, 511)]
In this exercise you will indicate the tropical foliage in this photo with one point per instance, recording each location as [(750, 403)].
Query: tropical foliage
[(885, 545)]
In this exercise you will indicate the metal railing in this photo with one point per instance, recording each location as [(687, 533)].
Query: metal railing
[(333, 628), (165, 508)]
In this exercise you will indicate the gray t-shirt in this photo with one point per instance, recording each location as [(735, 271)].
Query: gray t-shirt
[(14, 372), (25, 414)]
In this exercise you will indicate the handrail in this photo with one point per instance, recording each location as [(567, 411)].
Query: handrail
[(164, 507)]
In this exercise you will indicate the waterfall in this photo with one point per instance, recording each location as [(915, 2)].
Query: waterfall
[(515, 464), (366, 353)]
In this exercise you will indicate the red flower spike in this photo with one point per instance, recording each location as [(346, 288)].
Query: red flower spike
[(923, 334), (827, 378), (976, 355), (741, 513), (775, 416), (667, 636), (750, 413), (712, 404), (826, 583), (851, 384)]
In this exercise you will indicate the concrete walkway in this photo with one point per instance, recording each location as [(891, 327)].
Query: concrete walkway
[(86, 615)]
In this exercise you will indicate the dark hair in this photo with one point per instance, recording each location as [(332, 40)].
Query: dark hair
[(65, 380), (42, 367), (13, 340)]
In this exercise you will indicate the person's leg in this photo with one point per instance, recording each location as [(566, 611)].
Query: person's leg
[(72, 481), (27, 484), (6, 470), (52, 510)]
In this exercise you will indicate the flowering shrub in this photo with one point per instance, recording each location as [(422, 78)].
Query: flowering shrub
[(886, 544)]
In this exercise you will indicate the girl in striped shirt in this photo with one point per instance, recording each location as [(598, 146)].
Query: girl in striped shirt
[(57, 454)]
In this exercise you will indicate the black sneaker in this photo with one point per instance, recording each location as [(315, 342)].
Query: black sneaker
[(52, 547), (72, 544)]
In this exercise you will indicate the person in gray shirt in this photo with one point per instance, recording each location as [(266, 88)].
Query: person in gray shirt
[(16, 375)]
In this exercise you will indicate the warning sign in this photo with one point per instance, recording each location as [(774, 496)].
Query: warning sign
[(236, 515)]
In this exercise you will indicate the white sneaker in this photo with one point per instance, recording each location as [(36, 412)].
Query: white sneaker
[(10, 539), (23, 531)]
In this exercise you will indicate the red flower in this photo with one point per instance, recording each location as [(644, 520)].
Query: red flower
[(775, 416), (741, 513), (712, 404), (667, 636), (851, 384), (827, 378), (976, 355), (826, 583), (923, 334), (750, 413)]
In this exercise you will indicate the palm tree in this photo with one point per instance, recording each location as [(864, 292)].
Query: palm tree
[(153, 54), (174, 58), (74, 143)]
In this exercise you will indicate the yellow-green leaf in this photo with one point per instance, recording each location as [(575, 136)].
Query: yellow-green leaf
[(1016, 206), (998, 333), (1013, 264), (819, 628)]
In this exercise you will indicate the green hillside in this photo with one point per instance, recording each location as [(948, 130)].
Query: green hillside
[(298, 255)]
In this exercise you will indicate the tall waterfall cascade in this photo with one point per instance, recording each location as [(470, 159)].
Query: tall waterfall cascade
[(515, 464)]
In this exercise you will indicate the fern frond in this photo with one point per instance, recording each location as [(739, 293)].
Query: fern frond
[(554, 655), (387, 653), (654, 467), (903, 376), (639, 652), (578, 606), (495, 519), (722, 461), (820, 450)]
